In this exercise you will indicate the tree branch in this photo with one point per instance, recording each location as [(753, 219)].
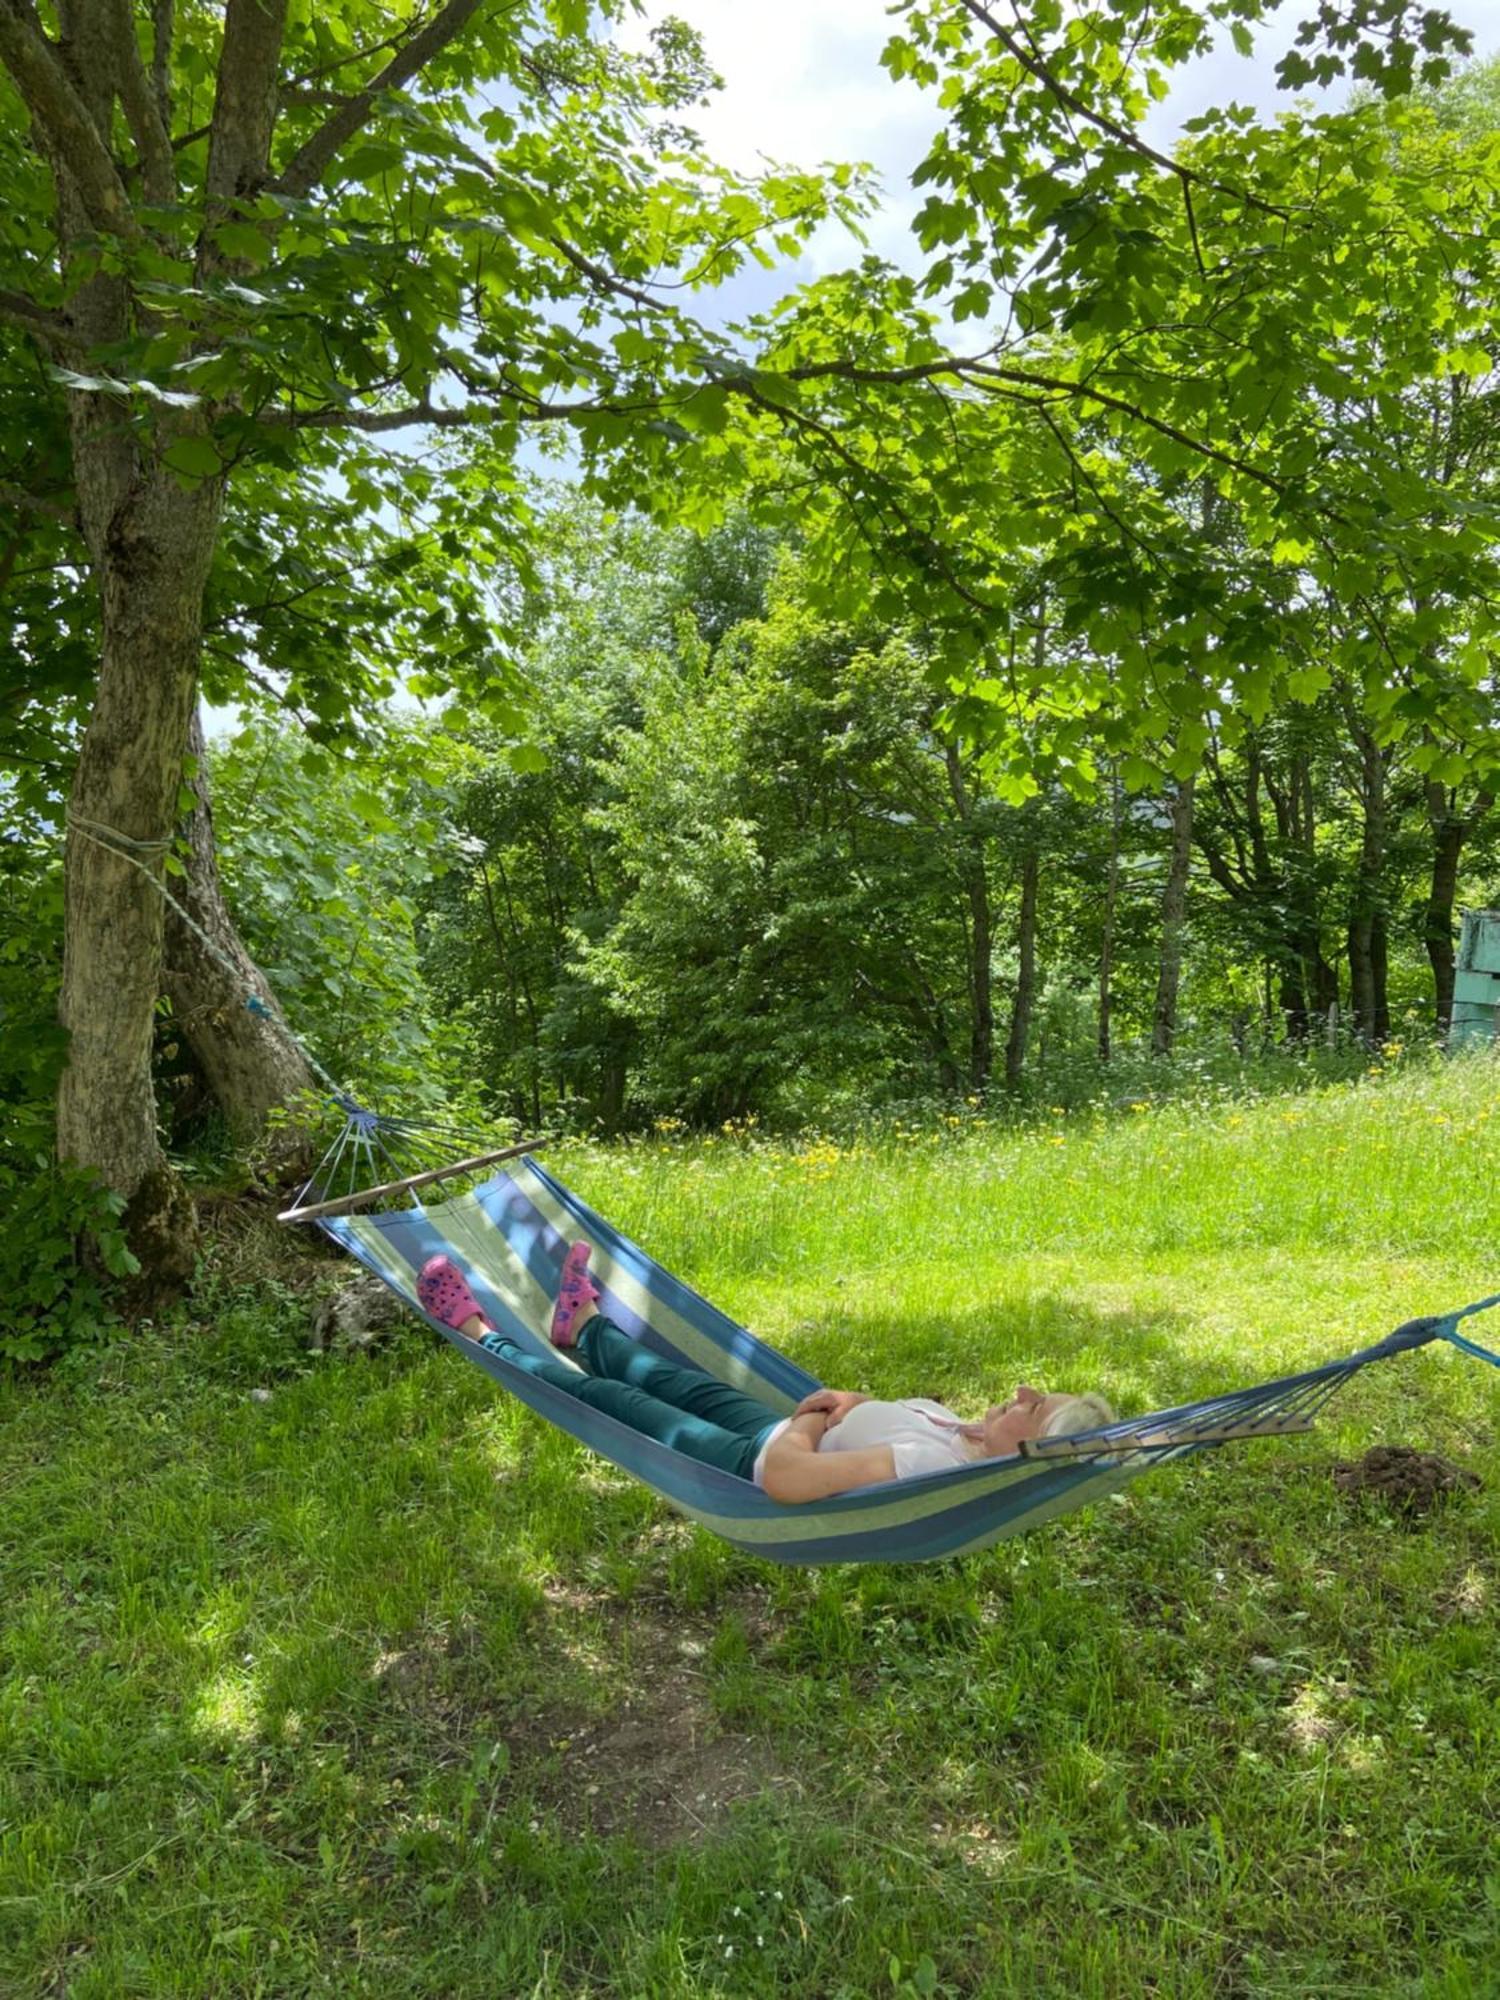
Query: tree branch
[(978, 369), (1036, 68), (512, 407), (153, 143), (244, 105), (62, 117), (26, 502), (161, 59), (921, 545), (49, 327), (306, 167)]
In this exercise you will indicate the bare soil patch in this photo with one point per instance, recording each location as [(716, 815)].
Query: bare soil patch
[(656, 1764), (659, 1765)]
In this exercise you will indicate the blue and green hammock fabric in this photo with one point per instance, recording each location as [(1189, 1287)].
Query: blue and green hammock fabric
[(509, 1236)]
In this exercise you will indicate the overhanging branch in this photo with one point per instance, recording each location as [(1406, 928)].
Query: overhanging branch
[(307, 165), (63, 121), (1035, 67)]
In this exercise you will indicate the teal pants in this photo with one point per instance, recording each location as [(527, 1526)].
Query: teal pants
[(678, 1406)]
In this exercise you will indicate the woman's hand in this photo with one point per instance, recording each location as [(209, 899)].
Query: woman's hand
[(834, 1404)]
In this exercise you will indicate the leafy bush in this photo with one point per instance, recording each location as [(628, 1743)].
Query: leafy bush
[(50, 1298), (322, 862)]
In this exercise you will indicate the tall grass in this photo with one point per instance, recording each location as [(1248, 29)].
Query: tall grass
[(1396, 1163)]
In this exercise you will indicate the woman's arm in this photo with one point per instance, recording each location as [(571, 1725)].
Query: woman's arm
[(835, 1404), (795, 1470)]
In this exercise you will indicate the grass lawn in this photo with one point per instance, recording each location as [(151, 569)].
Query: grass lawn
[(381, 1687)]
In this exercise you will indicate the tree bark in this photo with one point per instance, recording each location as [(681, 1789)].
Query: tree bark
[(1173, 912), (981, 929), (1278, 891), (150, 535), (151, 555), (1366, 932), (1025, 999), (1450, 834), (250, 1063), (1111, 903)]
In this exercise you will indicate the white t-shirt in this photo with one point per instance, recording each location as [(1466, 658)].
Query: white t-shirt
[(923, 1436)]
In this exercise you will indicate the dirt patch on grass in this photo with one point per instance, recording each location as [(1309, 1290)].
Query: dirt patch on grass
[(659, 1769), (658, 1764), (1410, 1482), (622, 1740)]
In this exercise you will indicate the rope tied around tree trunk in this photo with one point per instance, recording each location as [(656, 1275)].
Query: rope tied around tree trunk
[(122, 844), (112, 841)]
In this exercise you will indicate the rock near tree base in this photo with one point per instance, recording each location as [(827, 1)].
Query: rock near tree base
[(358, 1315)]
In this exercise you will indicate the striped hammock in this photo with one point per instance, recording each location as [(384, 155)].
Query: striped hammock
[(509, 1236)]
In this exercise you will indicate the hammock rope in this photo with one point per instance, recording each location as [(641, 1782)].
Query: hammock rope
[(124, 848), (420, 1144)]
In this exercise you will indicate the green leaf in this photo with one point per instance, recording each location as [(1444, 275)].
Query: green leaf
[(243, 243), (194, 458)]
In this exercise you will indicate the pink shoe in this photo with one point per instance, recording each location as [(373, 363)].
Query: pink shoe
[(575, 1291), (444, 1292)]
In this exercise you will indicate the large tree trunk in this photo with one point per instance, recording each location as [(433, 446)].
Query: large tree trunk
[(1450, 831), (1025, 1000), (150, 536), (977, 890), (1173, 912), (151, 543), (1367, 998), (250, 1063)]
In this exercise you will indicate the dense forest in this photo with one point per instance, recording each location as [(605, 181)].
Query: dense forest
[(751, 867)]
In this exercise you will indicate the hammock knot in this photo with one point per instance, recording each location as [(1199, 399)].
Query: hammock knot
[(1412, 1333)]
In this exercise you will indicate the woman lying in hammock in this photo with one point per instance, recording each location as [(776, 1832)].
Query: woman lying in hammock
[(833, 1442)]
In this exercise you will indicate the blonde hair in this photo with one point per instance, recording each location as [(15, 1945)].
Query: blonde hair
[(1088, 1412)]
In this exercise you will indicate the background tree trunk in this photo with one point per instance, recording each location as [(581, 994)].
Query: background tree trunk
[(1173, 911), (1367, 950), (250, 1063), (1111, 903), (981, 930), (1450, 832), (1025, 1000)]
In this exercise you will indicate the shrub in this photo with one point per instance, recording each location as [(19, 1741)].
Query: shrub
[(51, 1296)]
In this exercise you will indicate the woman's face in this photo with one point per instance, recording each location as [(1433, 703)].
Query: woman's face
[(1006, 1424)]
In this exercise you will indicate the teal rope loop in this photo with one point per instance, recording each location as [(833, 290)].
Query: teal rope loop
[(1447, 1329)]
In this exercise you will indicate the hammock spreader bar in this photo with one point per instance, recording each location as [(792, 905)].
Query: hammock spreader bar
[(509, 1235)]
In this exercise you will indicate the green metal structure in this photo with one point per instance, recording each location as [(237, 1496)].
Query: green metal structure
[(1476, 983)]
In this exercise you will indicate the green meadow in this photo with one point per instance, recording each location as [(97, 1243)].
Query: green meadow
[(378, 1686)]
